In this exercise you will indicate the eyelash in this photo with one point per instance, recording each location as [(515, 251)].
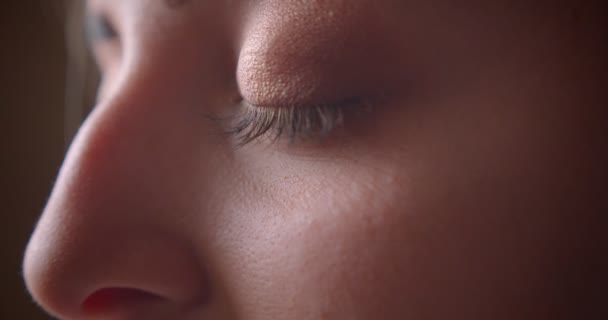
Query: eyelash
[(295, 123)]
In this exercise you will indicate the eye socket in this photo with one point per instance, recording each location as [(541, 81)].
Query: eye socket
[(104, 43), (99, 29)]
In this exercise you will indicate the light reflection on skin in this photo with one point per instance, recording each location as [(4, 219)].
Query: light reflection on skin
[(472, 190)]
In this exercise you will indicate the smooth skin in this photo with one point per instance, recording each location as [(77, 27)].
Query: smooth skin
[(473, 188)]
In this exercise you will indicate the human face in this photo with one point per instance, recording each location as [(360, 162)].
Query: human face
[(446, 164)]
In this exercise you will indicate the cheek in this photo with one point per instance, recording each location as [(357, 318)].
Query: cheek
[(329, 244), (450, 223)]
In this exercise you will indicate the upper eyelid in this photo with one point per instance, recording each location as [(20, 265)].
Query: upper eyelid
[(294, 122)]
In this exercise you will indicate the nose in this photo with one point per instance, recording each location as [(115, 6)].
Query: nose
[(113, 241)]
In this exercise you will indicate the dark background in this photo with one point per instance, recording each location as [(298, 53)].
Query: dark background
[(34, 132)]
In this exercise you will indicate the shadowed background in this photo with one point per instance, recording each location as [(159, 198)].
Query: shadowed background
[(35, 129)]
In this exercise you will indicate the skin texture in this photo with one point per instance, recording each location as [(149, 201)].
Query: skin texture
[(471, 190)]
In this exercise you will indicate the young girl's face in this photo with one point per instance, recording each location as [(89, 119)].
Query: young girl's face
[(338, 159)]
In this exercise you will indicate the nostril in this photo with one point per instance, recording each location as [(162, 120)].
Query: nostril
[(111, 300)]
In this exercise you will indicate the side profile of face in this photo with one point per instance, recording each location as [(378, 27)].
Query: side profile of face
[(337, 159)]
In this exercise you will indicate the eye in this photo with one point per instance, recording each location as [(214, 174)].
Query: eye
[(295, 123), (99, 29), (104, 44)]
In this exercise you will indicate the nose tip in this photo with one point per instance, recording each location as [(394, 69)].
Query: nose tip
[(116, 236), (42, 287), (109, 243), (79, 279)]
